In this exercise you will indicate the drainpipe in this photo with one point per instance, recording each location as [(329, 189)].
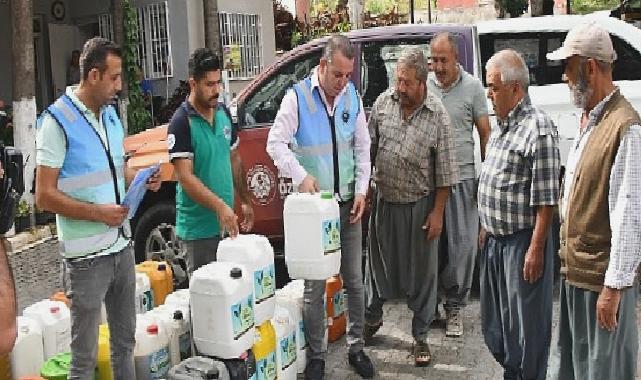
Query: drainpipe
[(411, 11)]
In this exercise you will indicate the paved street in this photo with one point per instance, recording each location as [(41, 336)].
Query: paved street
[(452, 358), (36, 272)]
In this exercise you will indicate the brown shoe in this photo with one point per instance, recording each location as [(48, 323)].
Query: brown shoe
[(422, 354), (369, 330)]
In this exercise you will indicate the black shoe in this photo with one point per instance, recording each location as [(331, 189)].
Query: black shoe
[(369, 330), (315, 370), (361, 364)]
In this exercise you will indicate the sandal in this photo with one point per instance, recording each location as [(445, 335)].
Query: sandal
[(422, 355)]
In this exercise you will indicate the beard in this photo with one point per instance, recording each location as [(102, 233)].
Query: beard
[(581, 90)]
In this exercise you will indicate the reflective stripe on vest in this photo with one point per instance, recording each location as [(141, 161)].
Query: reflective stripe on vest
[(78, 245), (315, 140), (88, 180), (87, 174)]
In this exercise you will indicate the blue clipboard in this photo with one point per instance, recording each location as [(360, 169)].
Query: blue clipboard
[(138, 188)]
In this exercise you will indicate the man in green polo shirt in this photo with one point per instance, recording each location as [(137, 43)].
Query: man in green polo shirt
[(202, 146)]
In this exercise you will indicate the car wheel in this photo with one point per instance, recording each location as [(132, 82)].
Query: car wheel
[(155, 239)]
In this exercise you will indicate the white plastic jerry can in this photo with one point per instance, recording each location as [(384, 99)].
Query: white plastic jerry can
[(151, 356), (55, 320), (312, 236), (285, 345), (222, 310), (27, 355), (256, 254)]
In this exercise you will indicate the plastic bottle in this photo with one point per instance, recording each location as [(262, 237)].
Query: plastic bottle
[(179, 298), (62, 297), (144, 296), (335, 302), (265, 352), (179, 338), (287, 299), (285, 344), (312, 236), (221, 295), (257, 255), (5, 367), (104, 354), (199, 368), (28, 355), (55, 320), (152, 353), (160, 278)]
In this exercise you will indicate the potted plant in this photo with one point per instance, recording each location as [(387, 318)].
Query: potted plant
[(22, 222)]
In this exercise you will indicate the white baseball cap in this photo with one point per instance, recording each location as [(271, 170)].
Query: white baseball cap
[(589, 40)]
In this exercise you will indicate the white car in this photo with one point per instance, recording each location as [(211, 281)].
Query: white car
[(536, 36)]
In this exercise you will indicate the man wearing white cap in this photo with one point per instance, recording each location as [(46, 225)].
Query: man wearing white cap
[(601, 217)]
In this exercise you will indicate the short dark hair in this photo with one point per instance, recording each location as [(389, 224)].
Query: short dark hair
[(340, 43), (94, 55), (202, 61)]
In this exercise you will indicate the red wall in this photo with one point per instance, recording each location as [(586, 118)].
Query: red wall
[(444, 4)]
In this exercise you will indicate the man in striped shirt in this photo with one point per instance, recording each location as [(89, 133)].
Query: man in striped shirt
[(518, 190)]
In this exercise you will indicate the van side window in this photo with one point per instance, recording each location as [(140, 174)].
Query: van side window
[(262, 106), (379, 65), (628, 63), (533, 46)]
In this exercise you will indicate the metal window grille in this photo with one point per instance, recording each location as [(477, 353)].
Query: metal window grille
[(154, 46), (241, 38), (105, 26)]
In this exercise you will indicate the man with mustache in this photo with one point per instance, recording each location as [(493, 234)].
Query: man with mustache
[(319, 139), (81, 176), (202, 146), (601, 217), (464, 98), (414, 168), (518, 190)]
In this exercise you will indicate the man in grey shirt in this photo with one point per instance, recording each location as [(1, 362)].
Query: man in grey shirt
[(464, 99)]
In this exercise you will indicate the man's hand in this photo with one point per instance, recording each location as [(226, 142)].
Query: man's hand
[(607, 307), (248, 217), (228, 221), (309, 185), (357, 209), (433, 225), (112, 215), (154, 182), (482, 236), (533, 266)]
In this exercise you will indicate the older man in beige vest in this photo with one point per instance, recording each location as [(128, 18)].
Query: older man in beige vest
[(601, 211)]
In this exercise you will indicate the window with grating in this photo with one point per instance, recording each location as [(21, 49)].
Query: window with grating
[(154, 45), (105, 26), (241, 38)]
